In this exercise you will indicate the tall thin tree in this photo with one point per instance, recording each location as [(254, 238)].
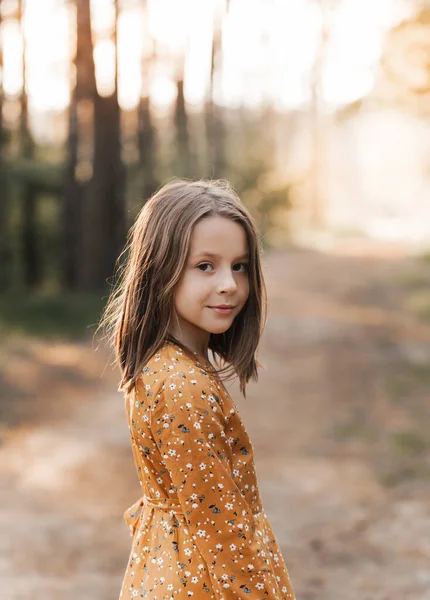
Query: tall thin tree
[(5, 253), (146, 132), (83, 87), (31, 259), (183, 142), (215, 127), (104, 210)]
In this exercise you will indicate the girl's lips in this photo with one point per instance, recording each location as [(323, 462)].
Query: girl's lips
[(222, 311)]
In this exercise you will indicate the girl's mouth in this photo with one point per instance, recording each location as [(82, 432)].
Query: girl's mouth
[(222, 311)]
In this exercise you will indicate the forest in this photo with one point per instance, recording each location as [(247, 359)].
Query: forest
[(69, 196), (318, 112)]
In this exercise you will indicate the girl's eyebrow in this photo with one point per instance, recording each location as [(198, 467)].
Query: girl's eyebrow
[(212, 255)]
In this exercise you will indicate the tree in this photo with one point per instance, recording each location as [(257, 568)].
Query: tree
[(32, 268), (103, 232), (182, 125), (215, 129), (5, 254), (83, 82), (146, 129)]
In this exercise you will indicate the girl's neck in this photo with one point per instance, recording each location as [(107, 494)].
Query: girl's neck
[(194, 340), (201, 353)]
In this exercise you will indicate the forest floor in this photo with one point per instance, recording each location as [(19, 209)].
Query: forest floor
[(339, 420)]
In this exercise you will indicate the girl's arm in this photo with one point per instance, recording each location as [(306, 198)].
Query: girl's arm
[(188, 428)]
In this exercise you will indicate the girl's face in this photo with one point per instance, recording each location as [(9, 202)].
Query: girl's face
[(215, 274)]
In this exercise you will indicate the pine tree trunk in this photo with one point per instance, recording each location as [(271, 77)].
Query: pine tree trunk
[(104, 206), (215, 128), (71, 200), (32, 268), (105, 200), (182, 133), (5, 250), (146, 134), (147, 148)]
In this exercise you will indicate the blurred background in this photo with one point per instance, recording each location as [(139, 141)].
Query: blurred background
[(318, 112)]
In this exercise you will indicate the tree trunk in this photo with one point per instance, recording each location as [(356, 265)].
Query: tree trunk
[(74, 189), (105, 202), (147, 148), (215, 129), (182, 134), (71, 205), (72, 195), (5, 250), (32, 268), (146, 134), (104, 208)]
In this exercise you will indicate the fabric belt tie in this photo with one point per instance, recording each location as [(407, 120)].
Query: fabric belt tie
[(134, 512)]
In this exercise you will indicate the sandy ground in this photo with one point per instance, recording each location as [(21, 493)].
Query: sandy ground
[(340, 423)]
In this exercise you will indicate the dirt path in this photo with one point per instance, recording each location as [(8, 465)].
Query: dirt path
[(340, 423)]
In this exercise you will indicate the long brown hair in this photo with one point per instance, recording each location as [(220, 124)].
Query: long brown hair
[(140, 307)]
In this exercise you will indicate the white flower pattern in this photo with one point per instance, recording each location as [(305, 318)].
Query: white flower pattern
[(200, 522)]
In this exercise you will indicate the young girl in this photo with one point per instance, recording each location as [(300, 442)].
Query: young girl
[(192, 282)]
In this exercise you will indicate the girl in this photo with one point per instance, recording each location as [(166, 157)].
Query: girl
[(192, 282)]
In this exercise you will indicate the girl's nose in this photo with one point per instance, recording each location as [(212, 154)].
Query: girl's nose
[(227, 282)]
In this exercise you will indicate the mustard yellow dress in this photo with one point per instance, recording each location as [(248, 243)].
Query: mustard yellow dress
[(199, 530)]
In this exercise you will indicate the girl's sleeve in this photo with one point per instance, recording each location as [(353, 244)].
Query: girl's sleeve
[(188, 427)]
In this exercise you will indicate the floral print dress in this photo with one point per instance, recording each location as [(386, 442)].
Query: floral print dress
[(199, 530)]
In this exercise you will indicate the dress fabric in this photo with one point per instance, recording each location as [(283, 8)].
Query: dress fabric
[(199, 530)]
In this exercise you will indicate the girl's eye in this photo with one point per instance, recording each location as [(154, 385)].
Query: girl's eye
[(244, 265), (202, 267)]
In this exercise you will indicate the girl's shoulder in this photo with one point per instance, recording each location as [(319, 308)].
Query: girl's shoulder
[(172, 362), (180, 380), (173, 376)]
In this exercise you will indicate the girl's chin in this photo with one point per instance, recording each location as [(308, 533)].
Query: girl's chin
[(219, 329)]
